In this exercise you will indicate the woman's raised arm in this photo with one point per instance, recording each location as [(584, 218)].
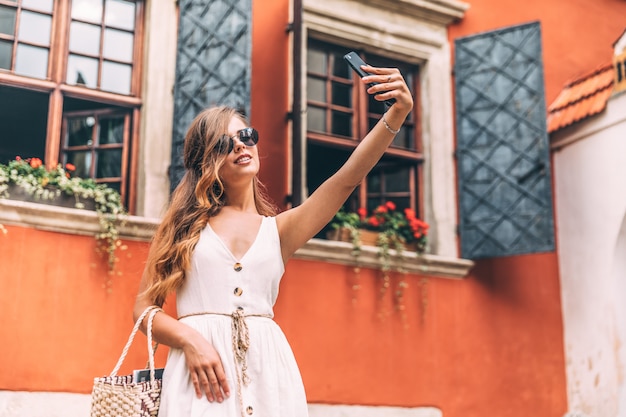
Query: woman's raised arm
[(296, 226)]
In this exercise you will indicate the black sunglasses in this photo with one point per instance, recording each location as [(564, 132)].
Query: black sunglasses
[(248, 136)]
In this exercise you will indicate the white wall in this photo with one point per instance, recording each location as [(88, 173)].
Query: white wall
[(49, 404), (590, 199)]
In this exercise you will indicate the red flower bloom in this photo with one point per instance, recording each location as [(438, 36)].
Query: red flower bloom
[(381, 209), (390, 205), (362, 212), (18, 158), (373, 221), (35, 162), (70, 167), (409, 213)]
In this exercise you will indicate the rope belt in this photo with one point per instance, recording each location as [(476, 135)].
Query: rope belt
[(241, 343)]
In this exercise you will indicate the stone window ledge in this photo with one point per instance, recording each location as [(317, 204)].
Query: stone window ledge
[(341, 253), (85, 222), (70, 220)]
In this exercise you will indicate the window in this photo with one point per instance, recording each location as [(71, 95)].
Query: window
[(340, 113), (69, 85)]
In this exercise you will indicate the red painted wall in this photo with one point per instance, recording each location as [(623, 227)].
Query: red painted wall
[(489, 345), (270, 96), (60, 326), (577, 35)]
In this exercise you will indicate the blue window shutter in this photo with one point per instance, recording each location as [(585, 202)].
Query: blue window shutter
[(213, 64), (503, 160)]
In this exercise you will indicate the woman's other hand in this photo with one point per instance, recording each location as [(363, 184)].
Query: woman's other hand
[(206, 369)]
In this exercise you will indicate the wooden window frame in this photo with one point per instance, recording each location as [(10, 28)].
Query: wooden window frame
[(360, 126), (57, 89)]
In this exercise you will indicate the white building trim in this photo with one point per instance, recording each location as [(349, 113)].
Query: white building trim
[(413, 31), (60, 404)]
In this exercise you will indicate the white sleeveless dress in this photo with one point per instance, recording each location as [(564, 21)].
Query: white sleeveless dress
[(217, 286)]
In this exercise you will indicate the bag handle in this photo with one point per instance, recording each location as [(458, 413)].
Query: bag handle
[(152, 310)]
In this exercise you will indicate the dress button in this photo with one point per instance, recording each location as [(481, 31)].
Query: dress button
[(237, 267), (240, 308), (249, 410), (238, 291)]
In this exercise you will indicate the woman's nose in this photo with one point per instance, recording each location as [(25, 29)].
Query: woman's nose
[(238, 145)]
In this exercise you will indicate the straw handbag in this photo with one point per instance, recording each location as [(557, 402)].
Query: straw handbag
[(121, 396)]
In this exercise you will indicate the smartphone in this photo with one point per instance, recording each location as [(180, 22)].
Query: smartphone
[(355, 62), (142, 375)]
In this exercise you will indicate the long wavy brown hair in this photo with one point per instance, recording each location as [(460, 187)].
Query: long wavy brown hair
[(199, 196)]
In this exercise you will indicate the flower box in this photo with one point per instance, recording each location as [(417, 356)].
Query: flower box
[(366, 237), (62, 200)]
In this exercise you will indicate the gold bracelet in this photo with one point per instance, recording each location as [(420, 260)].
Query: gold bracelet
[(395, 132)]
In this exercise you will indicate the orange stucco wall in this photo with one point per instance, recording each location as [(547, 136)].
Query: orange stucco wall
[(577, 35), (487, 345), (61, 324), (269, 91)]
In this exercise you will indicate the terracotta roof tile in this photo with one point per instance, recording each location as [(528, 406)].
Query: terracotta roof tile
[(581, 98)]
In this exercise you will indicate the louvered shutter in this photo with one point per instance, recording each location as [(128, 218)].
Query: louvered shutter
[(503, 159), (213, 64)]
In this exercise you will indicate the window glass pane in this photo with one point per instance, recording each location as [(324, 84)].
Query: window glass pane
[(116, 77), (342, 94), (31, 61), (342, 124), (375, 106), (6, 49), (84, 38), (115, 185), (42, 5), (120, 13), (7, 20), (373, 182), (87, 10), (397, 179), (118, 45), (111, 131), (341, 68), (109, 163), (373, 202), (82, 71), (316, 89), (316, 61), (23, 123), (82, 161), (80, 131), (316, 119), (402, 202), (35, 28), (404, 138)]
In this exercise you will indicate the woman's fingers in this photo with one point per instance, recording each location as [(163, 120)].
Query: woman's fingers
[(212, 388), (211, 381), (389, 84), (221, 379)]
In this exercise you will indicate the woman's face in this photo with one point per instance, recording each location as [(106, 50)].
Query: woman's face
[(242, 163)]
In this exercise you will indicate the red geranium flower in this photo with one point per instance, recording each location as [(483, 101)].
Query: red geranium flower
[(373, 221), (362, 212), (70, 167), (35, 162)]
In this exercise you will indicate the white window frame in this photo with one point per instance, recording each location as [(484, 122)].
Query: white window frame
[(413, 31)]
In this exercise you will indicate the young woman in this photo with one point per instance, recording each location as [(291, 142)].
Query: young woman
[(222, 248)]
